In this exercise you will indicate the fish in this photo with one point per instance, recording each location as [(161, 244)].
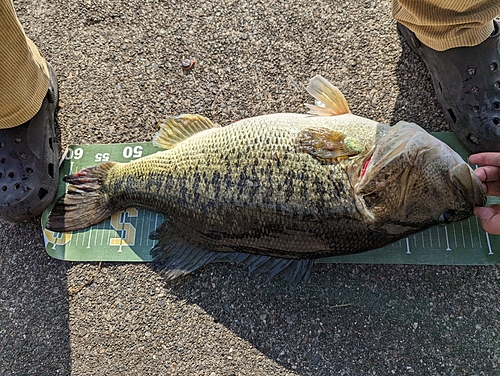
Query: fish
[(277, 191)]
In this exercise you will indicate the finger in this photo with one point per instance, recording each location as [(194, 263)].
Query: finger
[(480, 173), (489, 217), (492, 189), (483, 159), (488, 173)]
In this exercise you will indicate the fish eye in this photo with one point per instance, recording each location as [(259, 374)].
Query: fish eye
[(447, 216)]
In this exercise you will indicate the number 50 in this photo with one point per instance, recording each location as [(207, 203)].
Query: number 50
[(135, 152)]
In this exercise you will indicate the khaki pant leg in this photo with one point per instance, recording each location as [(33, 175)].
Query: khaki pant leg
[(445, 24), (24, 76)]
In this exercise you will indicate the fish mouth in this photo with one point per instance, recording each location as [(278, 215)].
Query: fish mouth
[(398, 156)]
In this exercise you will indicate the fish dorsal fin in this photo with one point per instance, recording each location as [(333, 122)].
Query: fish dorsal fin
[(331, 96), (328, 146), (173, 130)]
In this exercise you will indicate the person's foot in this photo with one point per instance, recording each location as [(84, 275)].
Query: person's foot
[(29, 162), (467, 85)]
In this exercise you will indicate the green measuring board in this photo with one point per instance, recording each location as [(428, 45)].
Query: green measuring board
[(125, 236)]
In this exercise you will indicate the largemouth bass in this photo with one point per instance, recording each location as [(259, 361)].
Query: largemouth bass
[(277, 191)]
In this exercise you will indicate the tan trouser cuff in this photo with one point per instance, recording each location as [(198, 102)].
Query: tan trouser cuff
[(445, 24), (24, 75)]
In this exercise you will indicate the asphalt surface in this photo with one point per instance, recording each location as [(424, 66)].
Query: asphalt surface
[(119, 69)]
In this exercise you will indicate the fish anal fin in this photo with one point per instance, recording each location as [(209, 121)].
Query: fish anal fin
[(328, 146), (175, 256), (322, 90), (173, 130), (292, 271)]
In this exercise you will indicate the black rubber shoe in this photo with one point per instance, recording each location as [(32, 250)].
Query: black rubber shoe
[(467, 85), (29, 162)]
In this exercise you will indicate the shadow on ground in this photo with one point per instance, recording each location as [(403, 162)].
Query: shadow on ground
[(416, 101), (352, 319), (34, 306)]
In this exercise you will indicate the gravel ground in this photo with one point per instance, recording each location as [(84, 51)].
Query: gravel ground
[(119, 70)]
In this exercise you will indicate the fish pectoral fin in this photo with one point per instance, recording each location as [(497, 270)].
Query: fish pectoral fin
[(330, 95), (173, 130), (328, 146)]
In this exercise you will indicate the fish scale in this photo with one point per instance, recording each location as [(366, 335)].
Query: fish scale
[(277, 191)]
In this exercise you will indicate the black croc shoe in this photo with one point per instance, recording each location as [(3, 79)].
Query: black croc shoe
[(29, 162), (467, 85)]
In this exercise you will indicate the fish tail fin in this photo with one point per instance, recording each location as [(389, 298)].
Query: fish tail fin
[(85, 203)]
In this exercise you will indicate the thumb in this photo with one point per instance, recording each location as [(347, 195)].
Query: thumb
[(489, 217)]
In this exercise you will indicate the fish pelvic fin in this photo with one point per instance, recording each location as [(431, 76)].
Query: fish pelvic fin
[(175, 256), (173, 130), (328, 146), (322, 90), (84, 204)]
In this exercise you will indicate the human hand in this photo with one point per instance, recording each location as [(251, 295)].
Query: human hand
[(489, 175)]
